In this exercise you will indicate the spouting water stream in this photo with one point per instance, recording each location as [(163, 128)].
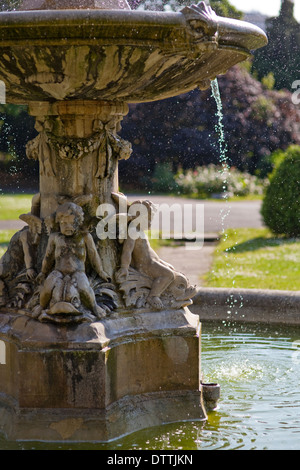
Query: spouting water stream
[(225, 171), (223, 153)]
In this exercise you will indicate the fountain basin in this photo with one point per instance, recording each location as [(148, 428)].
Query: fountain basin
[(257, 367), (257, 306), (100, 381), (117, 55)]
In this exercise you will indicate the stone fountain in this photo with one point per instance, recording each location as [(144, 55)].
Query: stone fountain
[(97, 336)]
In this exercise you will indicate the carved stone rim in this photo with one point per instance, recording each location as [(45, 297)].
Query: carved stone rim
[(231, 32), (114, 329), (78, 108)]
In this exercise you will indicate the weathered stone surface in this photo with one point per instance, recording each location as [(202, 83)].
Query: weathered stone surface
[(248, 306), (76, 136), (73, 377), (126, 372)]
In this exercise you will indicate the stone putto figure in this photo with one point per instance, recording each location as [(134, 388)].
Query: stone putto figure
[(65, 287), (146, 279), (18, 264)]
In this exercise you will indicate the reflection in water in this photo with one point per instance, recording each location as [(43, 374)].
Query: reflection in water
[(259, 408)]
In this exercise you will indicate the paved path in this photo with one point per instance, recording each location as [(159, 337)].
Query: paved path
[(11, 224), (194, 264), (217, 215)]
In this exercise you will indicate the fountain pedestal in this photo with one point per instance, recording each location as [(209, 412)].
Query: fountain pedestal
[(78, 150), (99, 381)]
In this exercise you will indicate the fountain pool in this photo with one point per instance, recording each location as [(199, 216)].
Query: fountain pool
[(257, 367)]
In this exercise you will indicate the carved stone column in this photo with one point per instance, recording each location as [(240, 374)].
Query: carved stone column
[(78, 150)]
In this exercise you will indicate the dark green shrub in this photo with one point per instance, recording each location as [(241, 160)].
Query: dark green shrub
[(281, 205)]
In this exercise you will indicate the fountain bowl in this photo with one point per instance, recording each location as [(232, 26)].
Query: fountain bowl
[(118, 55)]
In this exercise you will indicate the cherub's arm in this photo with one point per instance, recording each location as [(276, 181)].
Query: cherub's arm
[(94, 257)]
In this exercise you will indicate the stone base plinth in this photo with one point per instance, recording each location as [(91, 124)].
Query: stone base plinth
[(97, 382)]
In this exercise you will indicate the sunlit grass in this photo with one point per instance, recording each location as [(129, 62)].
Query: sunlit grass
[(254, 258), (5, 236), (11, 206)]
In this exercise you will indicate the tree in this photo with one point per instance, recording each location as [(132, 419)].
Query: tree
[(7, 5), (224, 8), (281, 56), (181, 131)]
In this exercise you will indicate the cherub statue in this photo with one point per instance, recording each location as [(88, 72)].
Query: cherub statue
[(138, 254), (20, 259), (63, 267), (143, 277)]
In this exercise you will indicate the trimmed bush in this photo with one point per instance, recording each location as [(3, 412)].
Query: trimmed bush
[(281, 205)]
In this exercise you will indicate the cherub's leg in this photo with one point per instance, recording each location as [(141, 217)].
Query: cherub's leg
[(165, 277), (53, 281), (87, 294)]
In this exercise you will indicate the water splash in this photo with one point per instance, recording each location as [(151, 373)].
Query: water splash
[(238, 370)]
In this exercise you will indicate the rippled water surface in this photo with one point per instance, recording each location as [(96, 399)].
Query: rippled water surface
[(258, 369)]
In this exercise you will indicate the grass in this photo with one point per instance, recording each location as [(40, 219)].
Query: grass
[(255, 259), (12, 205), (5, 236)]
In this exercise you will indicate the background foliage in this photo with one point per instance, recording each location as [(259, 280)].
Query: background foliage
[(281, 205), (179, 134), (281, 57)]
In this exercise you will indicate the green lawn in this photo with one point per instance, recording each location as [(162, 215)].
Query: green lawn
[(255, 259), (13, 205), (5, 236)]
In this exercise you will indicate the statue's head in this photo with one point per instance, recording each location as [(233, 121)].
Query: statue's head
[(151, 210), (142, 212), (70, 217)]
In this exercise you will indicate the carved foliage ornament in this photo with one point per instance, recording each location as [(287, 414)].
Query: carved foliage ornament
[(104, 141)]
